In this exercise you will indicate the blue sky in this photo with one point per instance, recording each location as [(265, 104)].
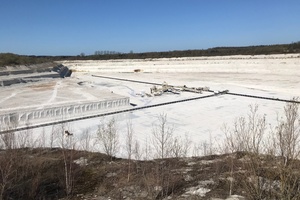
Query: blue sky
[(71, 27)]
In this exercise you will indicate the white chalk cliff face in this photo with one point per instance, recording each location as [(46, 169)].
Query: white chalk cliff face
[(274, 76), (22, 118)]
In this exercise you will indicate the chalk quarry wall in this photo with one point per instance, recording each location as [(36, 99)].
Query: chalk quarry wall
[(21, 118)]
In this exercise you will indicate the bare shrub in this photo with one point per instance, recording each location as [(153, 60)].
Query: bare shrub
[(25, 138), (8, 140), (68, 146), (147, 150), (162, 135), (287, 146), (41, 140), (246, 136), (54, 135), (288, 134), (108, 137), (281, 150), (164, 144), (85, 140), (129, 146), (247, 133), (204, 148), (137, 150), (180, 146), (7, 171), (129, 140)]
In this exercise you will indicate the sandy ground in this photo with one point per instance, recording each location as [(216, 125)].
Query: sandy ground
[(202, 120)]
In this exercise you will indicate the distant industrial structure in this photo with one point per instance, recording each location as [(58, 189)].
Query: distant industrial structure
[(157, 91)]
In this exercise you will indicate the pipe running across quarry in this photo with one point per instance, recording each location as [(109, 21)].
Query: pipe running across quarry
[(227, 92)]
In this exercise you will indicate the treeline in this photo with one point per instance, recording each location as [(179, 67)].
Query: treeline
[(13, 59), (217, 51), (10, 59)]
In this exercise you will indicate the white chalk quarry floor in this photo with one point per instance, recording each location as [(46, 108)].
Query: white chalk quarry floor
[(202, 120)]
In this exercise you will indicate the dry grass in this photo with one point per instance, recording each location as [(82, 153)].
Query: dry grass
[(41, 175)]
